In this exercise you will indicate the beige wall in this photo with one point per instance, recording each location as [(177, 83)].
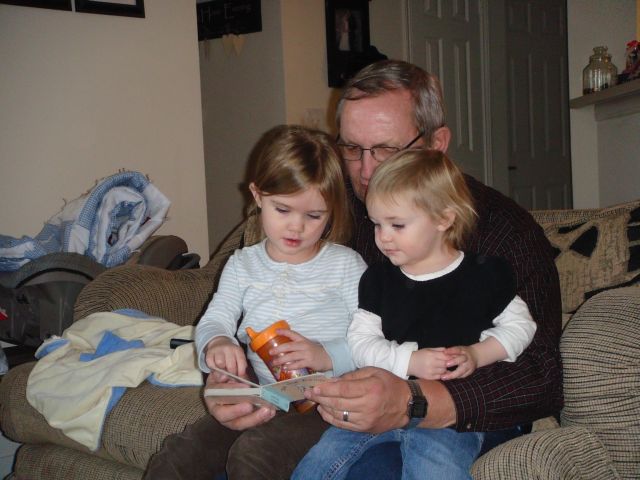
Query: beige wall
[(84, 95), (307, 95)]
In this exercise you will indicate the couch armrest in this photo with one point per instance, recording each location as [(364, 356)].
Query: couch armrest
[(567, 453), (177, 296), (601, 374), (23, 423)]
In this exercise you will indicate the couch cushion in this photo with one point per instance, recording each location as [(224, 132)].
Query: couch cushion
[(597, 249), (47, 461), (133, 431), (601, 358)]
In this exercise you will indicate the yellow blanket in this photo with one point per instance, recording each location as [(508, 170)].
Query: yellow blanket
[(74, 395)]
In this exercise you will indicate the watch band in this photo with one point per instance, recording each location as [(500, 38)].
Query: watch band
[(417, 406)]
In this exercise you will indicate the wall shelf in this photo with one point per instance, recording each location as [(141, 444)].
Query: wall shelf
[(608, 95)]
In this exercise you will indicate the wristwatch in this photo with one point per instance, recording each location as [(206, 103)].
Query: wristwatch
[(417, 406)]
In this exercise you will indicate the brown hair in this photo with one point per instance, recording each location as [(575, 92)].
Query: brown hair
[(388, 75), (294, 158), (433, 182)]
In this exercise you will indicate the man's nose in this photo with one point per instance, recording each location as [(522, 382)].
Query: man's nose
[(369, 164)]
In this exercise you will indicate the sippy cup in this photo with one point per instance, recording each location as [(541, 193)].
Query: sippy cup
[(262, 342)]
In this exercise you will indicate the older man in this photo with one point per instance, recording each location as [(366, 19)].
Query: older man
[(387, 107)]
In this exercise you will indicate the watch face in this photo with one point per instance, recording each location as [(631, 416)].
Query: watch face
[(419, 408)]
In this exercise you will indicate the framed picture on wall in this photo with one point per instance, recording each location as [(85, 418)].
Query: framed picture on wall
[(348, 41), (217, 18), (127, 8), (55, 4)]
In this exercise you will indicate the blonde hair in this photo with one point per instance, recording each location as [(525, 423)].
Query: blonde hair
[(433, 182), (390, 75), (294, 158)]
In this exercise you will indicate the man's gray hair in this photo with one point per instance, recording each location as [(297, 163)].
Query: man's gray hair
[(389, 75)]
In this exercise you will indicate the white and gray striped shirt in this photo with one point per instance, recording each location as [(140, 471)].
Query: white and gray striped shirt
[(317, 298)]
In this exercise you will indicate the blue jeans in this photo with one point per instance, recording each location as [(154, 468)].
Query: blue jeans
[(426, 453), (384, 460)]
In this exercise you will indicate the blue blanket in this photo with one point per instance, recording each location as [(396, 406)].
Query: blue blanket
[(107, 224)]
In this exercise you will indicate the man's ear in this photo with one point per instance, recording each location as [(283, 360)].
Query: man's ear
[(256, 194), (440, 139), (446, 220)]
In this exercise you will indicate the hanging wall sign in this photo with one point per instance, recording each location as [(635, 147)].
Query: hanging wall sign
[(223, 17)]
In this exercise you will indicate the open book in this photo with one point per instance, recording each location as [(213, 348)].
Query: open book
[(279, 394)]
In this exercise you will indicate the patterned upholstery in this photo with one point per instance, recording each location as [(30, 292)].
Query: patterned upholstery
[(599, 437), (55, 462), (136, 427), (596, 249), (600, 423), (571, 453), (602, 378)]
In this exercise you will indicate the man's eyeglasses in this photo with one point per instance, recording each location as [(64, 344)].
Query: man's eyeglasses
[(353, 153)]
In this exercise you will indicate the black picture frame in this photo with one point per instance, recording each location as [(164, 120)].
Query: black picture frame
[(217, 18), (348, 39), (53, 4), (130, 8)]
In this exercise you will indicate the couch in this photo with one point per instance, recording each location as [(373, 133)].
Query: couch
[(598, 435)]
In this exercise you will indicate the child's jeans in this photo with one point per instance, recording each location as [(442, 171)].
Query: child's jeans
[(442, 454)]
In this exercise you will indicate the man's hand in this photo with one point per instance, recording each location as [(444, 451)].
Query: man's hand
[(238, 416), (221, 352), (301, 352), (377, 401)]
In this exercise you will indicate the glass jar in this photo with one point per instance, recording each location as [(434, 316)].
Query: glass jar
[(600, 73)]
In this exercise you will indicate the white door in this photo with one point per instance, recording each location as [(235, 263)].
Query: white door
[(444, 39), (503, 70), (538, 116)]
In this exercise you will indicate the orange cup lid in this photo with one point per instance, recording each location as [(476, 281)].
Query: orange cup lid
[(258, 339)]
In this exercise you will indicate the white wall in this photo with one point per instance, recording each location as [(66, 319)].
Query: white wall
[(596, 179), (83, 95)]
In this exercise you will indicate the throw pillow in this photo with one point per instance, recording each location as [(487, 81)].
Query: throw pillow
[(596, 249)]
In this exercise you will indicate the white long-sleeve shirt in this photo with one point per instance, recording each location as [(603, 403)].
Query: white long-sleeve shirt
[(317, 298), (514, 328)]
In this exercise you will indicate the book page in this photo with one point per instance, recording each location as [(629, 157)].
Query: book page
[(235, 377), (294, 388), (221, 398), (279, 394)]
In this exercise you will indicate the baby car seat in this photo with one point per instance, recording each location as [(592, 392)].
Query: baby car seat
[(36, 301)]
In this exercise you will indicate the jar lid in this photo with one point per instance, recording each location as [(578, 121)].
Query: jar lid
[(258, 339)]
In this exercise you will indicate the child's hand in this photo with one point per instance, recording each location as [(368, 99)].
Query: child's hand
[(465, 361), (428, 363), (221, 352), (301, 352)]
